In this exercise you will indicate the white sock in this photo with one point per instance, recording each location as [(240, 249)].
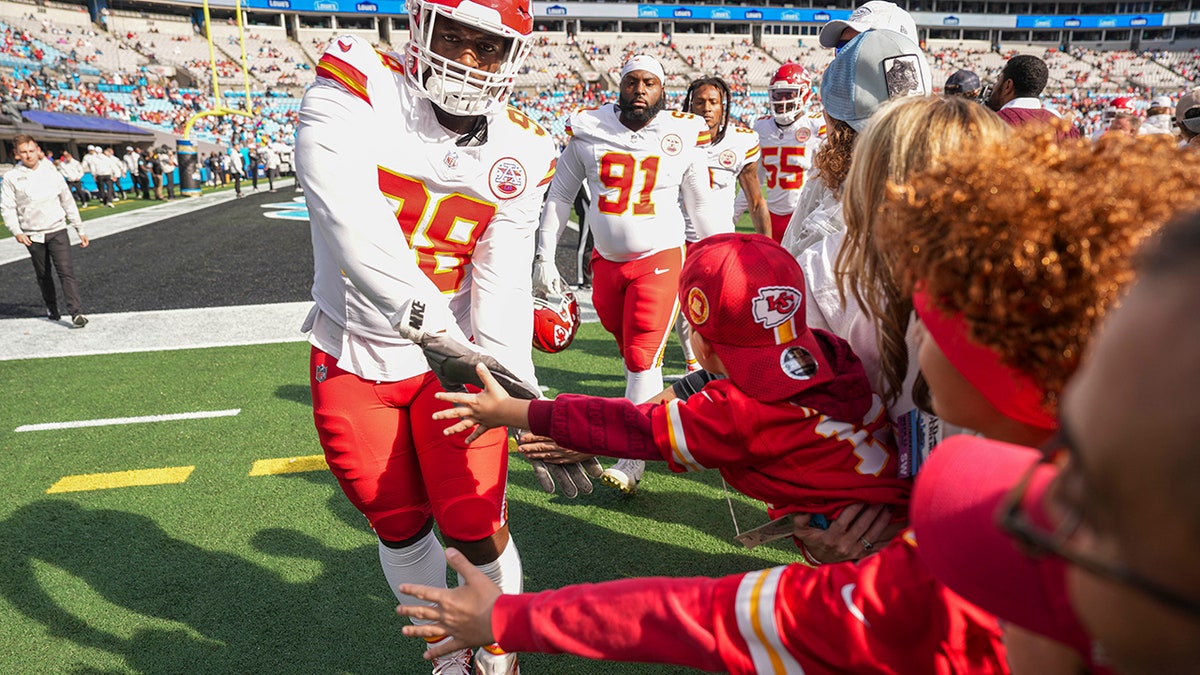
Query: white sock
[(505, 571), (684, 330), (643, 386), (422, 563)]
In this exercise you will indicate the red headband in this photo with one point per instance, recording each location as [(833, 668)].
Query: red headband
[(1009, 390)]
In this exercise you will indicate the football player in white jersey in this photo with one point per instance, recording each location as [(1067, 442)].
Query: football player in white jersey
[(732, 163), (788, 138), (637, 161), (424, 191)]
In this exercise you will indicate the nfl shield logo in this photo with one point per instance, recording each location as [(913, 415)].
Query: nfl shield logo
[(322, 373)]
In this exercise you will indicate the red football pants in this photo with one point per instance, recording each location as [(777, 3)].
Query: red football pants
[(637, 302), (394, 464), (779, 223)]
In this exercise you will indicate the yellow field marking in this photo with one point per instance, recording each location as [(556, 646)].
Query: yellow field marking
[(270, 467), (120, 479)]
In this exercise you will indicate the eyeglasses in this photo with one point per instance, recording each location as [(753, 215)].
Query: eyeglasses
[(1040, 541)]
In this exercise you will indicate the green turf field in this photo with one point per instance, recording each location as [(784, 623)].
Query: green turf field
[(223, 571)]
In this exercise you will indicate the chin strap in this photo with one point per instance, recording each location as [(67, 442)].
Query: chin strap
[(476, 136)]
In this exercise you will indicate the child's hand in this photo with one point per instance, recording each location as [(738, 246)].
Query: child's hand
[(483, 411)]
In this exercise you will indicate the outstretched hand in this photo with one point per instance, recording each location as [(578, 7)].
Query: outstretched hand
[(490, 408), (464, 614)]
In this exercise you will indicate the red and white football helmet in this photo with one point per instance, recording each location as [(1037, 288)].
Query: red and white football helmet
[(555, 321), (453, 87), (790, 91), (1117, 106)]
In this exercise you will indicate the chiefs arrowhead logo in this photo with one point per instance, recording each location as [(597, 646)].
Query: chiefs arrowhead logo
[(344, 44), (774, 305)]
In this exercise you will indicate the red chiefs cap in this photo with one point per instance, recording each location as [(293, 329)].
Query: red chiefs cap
[(954, 515), (745, 294)]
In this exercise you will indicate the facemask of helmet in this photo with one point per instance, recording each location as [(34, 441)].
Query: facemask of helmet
[(455, 88)]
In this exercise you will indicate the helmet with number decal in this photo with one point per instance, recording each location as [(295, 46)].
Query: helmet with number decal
[(555, 321), (456, 88), (790, 91)]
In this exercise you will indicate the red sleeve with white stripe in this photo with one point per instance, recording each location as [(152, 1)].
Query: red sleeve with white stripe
[(885, 615)]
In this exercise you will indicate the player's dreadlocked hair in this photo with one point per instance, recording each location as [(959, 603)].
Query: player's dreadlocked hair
[(1032, 240), (726, 98)]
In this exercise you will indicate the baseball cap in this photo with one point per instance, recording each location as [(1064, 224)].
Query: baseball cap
[(129, 148), (954, 509), (961, 82), (1187, 111), (878, 14), (871, 69), (1011, 392), (1160, 102), (746, 295)]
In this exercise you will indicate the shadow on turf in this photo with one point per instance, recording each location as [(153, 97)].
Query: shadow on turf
[(299, 393), (238, 616)]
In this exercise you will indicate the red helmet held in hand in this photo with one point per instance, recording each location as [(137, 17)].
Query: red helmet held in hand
[(555, 321)]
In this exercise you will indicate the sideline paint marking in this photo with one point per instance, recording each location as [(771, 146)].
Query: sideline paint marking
[(119, 479), (270, 467), (129, 420)]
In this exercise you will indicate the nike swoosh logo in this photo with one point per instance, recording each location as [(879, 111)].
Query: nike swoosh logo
[(661, 270), (848, 598)]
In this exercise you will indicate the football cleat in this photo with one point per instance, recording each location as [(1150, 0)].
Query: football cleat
[(491, 660), (624, 475), (454, 663), (555, 321), (790, 90)]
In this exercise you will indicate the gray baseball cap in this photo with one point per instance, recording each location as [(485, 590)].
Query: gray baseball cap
[(870, 70), (1189, 103), (874, 14)]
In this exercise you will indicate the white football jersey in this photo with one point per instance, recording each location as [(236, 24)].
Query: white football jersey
[(402, 214), (636, 179), (787, 156), (726, 159)]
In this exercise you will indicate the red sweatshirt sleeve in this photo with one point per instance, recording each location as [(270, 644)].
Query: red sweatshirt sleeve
[(613, 427), (884, 615), (653, 620)]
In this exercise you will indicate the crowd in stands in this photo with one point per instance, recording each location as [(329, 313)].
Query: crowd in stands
[(53, 57)]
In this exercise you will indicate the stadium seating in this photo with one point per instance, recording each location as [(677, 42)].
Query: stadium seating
[(117, 72)]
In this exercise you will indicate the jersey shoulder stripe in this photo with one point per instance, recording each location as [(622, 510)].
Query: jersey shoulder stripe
[(351, 78), (394, 64), (753, 151), (550, 173)]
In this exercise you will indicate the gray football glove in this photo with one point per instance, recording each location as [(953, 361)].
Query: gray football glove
[(454, 364), (572, 478)]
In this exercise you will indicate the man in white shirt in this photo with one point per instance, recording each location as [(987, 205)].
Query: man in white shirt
[(37, 207), (118, 172), (101, 169), (72, 171), (133, 166)]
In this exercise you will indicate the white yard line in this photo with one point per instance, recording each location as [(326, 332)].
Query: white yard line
[(165, 330), (78, 424), (128, 332)]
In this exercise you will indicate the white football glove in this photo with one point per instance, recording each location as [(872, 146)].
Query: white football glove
[(546, 278)]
